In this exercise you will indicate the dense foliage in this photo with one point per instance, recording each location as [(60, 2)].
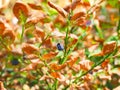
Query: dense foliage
[(59, 45)]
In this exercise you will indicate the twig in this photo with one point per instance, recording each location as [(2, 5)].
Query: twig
[(118, 27)]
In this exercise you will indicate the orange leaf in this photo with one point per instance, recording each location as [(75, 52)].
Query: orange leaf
[(109, 47), (60, 19), (85, 64), (34, 6), (2, 27), (80, 21), (78, 15), (72, 61), (47, 43), (55, 74), (9, 33), (105, 63), (20, 7), (29, 48), (59, 9), (39, 33), (57, 67), (49, 55)]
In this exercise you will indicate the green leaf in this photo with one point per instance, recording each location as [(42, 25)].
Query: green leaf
[(87, 52), (114, 3), (96, 59)]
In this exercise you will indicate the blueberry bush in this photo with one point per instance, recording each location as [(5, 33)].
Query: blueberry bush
[(59, 44)]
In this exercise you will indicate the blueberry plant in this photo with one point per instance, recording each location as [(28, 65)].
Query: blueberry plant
[(60, 45)]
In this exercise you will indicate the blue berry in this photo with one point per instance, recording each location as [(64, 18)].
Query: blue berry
[(14, 61), (60, 47)]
